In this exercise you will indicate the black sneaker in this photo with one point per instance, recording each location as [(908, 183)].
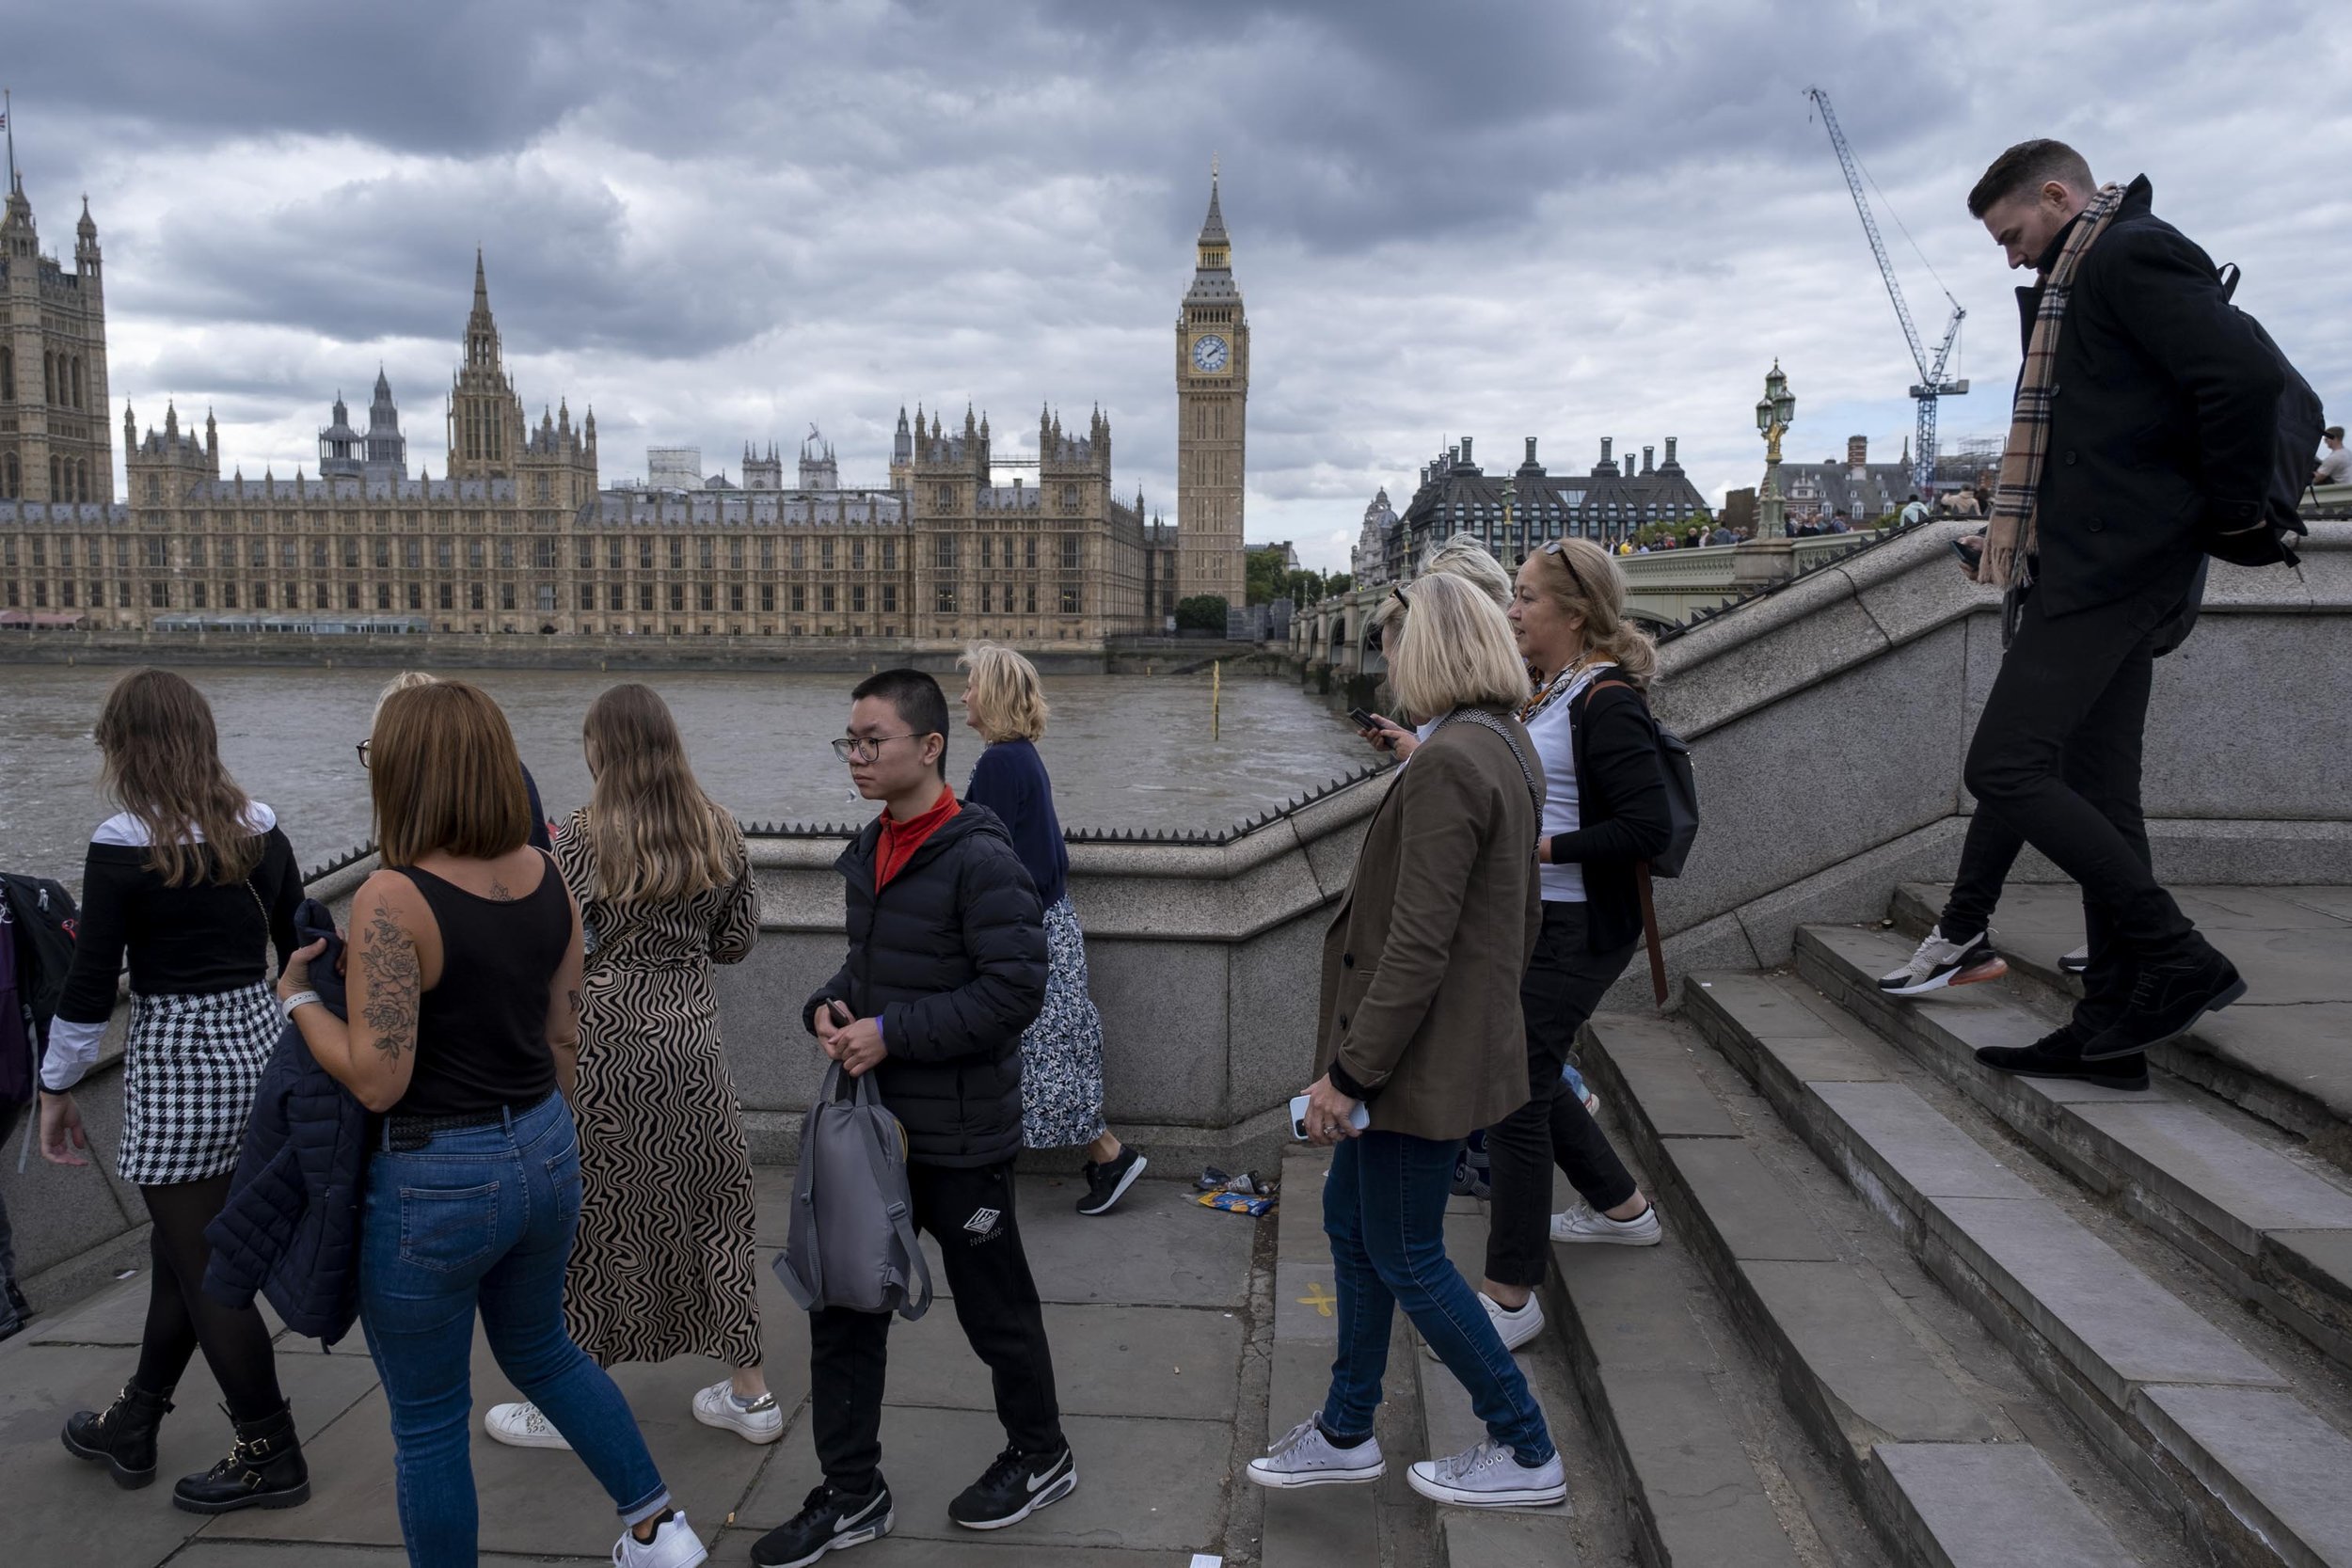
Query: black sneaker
[(2168, 999), (2060, 1055), (830, 1521), (2075, 963), (1107, 1184), (1015, 1486)]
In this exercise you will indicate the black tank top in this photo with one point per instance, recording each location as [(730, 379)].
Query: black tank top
[(482, 1033)]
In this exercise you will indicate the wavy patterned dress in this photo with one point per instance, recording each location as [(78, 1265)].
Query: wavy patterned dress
[(663, 1262)]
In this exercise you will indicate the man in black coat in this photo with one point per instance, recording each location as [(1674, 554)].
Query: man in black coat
[(945, 969), (2161, 430)]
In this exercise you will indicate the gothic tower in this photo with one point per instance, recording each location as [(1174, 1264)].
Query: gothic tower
[(56, 440), (1212, 404), (486, 418)]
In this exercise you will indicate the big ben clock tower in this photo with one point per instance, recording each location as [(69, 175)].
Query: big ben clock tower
[(1212, 399)]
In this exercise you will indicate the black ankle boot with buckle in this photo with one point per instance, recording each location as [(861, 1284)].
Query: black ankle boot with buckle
[(121, 1436), (265, 1470)]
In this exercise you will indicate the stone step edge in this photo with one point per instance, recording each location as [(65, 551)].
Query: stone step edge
[(2170, 1462), (1641, 1490), (2293, 1282), (2038, 981), (1858, 1458)]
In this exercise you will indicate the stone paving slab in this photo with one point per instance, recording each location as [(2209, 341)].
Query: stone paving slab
[(1742, 1203), (2277, 1464), (902, 1550), (533, 1500), (1502, 1539), (1630, 1302), (1107, 1361), (1692, 1476), (1875, 1379), (1306, 1302), (1152, 1486), (1315, 1525), (1653, 1058), (2237, 1187), (1157, 1249), (204, 1553), (65, 1510), (1991, 1505)]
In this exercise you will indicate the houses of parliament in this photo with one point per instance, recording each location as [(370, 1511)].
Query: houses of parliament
[(519, 536)]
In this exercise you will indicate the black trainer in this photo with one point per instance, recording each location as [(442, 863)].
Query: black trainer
[(265, 1470), (1107, 1183), (1014, 1487), (2060, 1055), (121, 1436), (830, 1520), (2168, 999)]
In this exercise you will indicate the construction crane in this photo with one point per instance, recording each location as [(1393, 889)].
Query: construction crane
[(1931, 384)]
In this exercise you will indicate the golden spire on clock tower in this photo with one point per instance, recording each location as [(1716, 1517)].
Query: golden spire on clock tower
[(1212, 403)]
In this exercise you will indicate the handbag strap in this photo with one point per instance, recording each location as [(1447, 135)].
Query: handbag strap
[(1485, 721)]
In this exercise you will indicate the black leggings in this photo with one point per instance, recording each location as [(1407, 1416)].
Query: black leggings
[(1564, 982), (181, 1317)]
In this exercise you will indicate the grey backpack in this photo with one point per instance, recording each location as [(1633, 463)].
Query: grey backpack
[(851, 1241)]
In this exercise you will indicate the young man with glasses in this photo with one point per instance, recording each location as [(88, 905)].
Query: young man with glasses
[(946, 969)]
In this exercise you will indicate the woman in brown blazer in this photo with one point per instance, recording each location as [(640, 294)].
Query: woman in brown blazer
[(1420, 1028)]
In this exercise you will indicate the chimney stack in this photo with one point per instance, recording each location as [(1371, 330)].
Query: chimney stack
[(1531, 451), (1647, 452), (1466, 451), (1670, 452), (1857, 454), (1606, 442)]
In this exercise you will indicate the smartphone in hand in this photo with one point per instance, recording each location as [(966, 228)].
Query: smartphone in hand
[(1359, 1119), (1970, 548)]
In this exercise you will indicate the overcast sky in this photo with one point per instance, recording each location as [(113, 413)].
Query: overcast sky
[(719, 222)]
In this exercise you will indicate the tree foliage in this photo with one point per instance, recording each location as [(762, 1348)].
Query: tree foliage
[(1201, 612)]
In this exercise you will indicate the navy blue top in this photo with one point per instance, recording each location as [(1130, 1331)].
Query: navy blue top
[(1010, 780)]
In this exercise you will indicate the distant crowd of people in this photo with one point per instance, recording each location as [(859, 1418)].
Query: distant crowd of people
[(507, 1063)]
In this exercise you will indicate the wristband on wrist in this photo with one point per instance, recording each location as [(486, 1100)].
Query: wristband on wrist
[(298, 999)]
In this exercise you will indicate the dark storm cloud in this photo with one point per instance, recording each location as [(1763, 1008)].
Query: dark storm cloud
[(720, 221)]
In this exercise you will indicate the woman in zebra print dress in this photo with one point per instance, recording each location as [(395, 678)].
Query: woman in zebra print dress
[(662, 1263)]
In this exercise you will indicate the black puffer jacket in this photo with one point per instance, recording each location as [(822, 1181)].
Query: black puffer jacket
[(952, 957)]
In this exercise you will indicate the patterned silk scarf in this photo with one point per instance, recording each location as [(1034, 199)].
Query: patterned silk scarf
[(2012, 535)]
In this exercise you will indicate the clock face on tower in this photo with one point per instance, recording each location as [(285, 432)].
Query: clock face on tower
[(1209, 353)]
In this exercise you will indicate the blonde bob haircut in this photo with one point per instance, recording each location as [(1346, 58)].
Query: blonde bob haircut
[(1007, 700), (1452, 648), (443, 774)]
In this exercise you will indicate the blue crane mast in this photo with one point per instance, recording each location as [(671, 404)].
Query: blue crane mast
[(1931, 384)]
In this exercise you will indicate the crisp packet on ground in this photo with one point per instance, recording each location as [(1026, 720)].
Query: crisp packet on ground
[(1237, 1203)]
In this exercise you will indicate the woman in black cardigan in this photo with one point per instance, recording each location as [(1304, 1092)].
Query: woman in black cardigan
[(1604, 811)]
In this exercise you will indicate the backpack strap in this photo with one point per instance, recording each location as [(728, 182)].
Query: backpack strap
[(1641, 868), (918, 1299)]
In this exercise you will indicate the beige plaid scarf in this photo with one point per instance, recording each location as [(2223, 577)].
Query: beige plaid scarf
[(2012, 534)]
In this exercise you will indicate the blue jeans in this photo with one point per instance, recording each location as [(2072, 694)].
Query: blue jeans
[(1384, 1209), (483, 1216)]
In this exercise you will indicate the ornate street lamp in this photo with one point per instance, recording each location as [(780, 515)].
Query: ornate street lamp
[(1510, 498), (1774, 412)]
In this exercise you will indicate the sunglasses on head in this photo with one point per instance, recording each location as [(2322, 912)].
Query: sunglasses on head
[(1558, 548)]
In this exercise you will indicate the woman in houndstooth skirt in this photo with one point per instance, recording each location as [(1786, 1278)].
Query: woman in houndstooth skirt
[(197, 884), (1062, 1053)]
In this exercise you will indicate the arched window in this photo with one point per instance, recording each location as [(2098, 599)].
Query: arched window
[(12, 481), (48, 376), (81, 481), (77, 383), (8, 373)]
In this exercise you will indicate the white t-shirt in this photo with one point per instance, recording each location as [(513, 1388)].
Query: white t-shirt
[(1555, 750), (2335, 467)]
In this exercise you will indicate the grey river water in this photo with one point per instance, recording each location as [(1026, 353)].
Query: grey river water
[(1125, 751)]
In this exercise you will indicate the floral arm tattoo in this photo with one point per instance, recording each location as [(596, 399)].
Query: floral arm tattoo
[(391, 1006)]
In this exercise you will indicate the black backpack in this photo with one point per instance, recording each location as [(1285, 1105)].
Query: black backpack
[(37, 917), (1682, 829), (2270, 542)]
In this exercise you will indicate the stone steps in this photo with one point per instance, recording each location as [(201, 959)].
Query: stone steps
[(2276, 1228), (2283, 1053), (1943, 1477), (2200, 1426)]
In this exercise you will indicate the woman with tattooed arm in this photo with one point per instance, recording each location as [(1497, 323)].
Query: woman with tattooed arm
[(465, 981)]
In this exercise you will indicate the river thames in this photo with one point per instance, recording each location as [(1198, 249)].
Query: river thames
[(1125, 751)]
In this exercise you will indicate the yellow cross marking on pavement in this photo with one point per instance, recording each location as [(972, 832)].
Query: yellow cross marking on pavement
[(1320, 1299)]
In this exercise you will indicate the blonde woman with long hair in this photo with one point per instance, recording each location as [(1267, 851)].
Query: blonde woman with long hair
[(1062, 1053), (197, 882), (662, 1263)]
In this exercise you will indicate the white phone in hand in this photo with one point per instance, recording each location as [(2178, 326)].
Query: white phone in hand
[(1359, 1119)]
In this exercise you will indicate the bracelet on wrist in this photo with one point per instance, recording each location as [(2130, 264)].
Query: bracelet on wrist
[(298, 999)]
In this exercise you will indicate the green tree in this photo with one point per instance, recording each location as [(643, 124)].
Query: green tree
[(1338, 582), (1265, 575), (1201, 612)]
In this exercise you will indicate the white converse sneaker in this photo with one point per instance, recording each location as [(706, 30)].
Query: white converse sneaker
[(1939, 962), (673, 1545), (1489, 1476), (1516, 1329), (522, 1426), (1304, 1457), (761, 1421), (1583, 1223)]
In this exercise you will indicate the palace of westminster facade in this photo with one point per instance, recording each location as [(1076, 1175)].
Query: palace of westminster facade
[(517, 536)]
